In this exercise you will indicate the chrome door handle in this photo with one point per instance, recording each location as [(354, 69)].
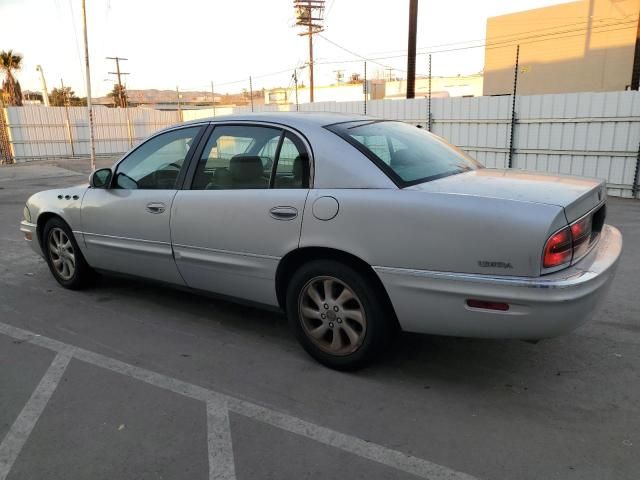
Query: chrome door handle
[(156, 207), (283, 213)]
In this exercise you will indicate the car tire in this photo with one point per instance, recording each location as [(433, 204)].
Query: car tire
[(338, 315), (66, 262)]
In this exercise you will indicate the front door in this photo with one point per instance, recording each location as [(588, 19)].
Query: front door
[(243, 211), (126, 226)]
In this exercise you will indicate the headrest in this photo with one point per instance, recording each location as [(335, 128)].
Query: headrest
[(298, 167), (246, 168), (403, 157)]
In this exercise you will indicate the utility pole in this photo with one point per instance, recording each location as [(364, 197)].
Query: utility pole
[(390, 70), (310, 14), (213, 99), (295, 80), (92, 142), (45, 92), (122, 96), (513, 108), (365, 88), (65, 96), (179, 104), (411, 49), (251, 92), (635, 75), (429, 107)]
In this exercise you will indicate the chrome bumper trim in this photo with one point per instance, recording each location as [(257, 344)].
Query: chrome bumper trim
[(28, 227)]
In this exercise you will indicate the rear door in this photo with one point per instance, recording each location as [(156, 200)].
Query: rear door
[(243, 210), (126, 226)]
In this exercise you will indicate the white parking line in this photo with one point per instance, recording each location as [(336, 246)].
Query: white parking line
[(22, 427), (218, 404), (221, 464)]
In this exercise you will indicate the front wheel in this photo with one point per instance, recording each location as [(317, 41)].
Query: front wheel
[(65, 260), (338, 314)]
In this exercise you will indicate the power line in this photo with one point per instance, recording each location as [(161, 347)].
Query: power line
[(504, 43), (77, 42), (490, 45), (328, 10), (351, 51), (430, 47)]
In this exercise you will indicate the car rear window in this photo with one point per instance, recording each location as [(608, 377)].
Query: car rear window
[(407, 154)]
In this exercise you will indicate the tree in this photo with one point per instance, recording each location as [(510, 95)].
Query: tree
[(61, 96), (58, 96), (11, 91), (119, 95)]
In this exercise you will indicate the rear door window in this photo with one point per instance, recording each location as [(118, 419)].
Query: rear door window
[(237, 157)]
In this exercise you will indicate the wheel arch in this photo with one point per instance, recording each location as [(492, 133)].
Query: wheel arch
[(42, 220), (296, 258)]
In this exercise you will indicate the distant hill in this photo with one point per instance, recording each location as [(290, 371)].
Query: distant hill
[(153, 96)]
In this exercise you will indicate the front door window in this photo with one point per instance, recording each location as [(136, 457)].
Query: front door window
[(156, 164)]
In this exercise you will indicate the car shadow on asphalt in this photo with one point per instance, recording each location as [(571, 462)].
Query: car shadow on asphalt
[(455, 359)]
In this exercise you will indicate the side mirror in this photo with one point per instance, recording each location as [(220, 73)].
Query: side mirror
[(100, 178)]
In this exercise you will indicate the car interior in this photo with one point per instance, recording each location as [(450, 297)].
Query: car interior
[(232, 162)]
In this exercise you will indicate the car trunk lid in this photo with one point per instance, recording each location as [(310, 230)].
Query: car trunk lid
[(575, 194)]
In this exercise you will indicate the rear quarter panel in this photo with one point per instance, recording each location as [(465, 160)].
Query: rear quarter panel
[(434, 231)]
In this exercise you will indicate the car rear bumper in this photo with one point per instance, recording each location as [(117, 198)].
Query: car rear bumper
[(541, 307)]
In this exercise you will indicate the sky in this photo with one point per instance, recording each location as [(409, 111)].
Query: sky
[(189, 43)]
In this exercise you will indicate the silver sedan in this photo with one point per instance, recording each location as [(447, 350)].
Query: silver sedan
[(355, 227)]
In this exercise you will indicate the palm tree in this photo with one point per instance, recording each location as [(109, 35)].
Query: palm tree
[(10, 62), (119, 95)]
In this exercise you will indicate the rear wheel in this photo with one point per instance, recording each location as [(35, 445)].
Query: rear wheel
[(337, 314), (63, 256)]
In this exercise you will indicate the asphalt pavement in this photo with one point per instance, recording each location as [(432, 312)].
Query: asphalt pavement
[(131, 380)]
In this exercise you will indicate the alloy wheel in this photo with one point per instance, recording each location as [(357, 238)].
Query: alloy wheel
[(61, 253), (332, 315)]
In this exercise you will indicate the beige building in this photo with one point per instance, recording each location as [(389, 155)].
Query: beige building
[(441, 87), (583, 46)]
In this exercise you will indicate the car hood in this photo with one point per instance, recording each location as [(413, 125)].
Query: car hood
[(575, 194)]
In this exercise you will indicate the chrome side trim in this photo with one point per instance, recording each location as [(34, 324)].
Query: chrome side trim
[(128, 244), (115, 237), (226, 252), (206, 268), (528, 282)]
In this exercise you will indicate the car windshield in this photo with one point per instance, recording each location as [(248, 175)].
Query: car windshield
[(408, 155)]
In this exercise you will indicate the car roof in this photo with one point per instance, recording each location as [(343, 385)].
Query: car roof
[(298, 120)]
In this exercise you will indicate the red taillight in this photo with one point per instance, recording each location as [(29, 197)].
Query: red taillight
[(558, 249), (569, 243), (581, 233)]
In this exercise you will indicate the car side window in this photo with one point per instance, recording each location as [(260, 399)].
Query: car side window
[(157, 162), (292, 167), (378, 144), (237, 157)]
